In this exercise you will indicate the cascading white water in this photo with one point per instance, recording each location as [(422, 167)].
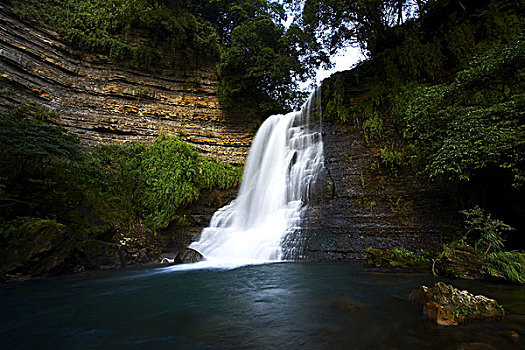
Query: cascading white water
[(285, 158)]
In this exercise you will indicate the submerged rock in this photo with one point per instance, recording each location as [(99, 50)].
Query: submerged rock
[(449, 306), (346, 305), (188, 255)]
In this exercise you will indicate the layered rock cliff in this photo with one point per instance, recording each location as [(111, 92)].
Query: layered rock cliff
[(360, 203), (100, 101), (355, 208)]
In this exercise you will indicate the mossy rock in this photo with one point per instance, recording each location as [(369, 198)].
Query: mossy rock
[(36, 247), (449, 306), (465, 263), (398, 257), (460, 263), (101, 255)]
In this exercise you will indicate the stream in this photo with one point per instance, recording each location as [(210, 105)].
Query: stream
[(267, 306)]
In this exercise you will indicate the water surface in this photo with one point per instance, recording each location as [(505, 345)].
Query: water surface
[(273, 306)]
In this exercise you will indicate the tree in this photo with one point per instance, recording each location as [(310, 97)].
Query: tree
[(338, 23)]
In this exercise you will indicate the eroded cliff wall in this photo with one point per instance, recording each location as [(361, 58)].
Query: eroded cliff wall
[(358, 202), (101, 101)]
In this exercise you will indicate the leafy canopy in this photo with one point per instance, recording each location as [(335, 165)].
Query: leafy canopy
[(259, 62), (475, 123)]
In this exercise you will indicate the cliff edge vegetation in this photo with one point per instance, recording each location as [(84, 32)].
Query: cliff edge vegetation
[(258, 60), (65, 208), (441, 93)]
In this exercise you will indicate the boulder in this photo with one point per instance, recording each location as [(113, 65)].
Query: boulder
[(100, 255), (461, 262), (35, 247), (449, 306), (188, 255)]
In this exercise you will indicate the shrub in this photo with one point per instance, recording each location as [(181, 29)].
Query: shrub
[(489, 230)]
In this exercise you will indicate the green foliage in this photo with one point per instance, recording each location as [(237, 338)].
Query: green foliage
[(392, 158), (475, 123), (396, 203), (44, 174), (28, 227), (259, 67), (29, 146), (488, 230), (372, 125), (364, 202), (507, 265), (106, 26), (397, 257), (151, 183)]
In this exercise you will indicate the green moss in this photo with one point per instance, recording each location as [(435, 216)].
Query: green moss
[(364, 202), (398, 257)]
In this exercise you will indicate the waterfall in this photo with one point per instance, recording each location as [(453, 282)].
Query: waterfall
[(285, 157)]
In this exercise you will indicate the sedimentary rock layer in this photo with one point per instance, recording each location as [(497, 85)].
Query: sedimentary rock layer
[(101, 101), (355, 208)]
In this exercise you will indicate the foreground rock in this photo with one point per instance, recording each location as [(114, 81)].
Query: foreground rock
[(464, 262), (187, 256), (461, 262), (34, 248), (448, 306)]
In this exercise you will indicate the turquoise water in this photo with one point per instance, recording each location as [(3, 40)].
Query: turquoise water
[(274, 306)]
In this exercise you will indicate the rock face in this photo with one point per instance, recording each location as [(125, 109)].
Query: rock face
[(101, 101), (353, 207), (38, 247), (448, 306), (188, 255)]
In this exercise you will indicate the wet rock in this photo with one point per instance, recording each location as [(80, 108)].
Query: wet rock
[(512, 336), (36, 247), (352, 208), (460, 263), (442, 315), (188, 255), (79, 269), (101, 255), (448, 306)]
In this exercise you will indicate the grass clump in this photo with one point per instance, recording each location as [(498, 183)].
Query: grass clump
[(506, 265)]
